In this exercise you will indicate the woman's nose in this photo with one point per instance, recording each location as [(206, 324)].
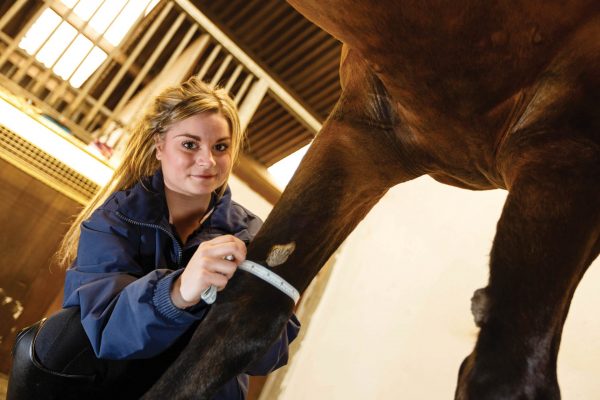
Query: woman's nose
[(205, 157)]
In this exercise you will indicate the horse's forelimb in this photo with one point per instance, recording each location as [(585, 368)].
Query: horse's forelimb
[(548, 234)]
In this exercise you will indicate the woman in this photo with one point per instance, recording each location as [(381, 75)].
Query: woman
[(161, 232)]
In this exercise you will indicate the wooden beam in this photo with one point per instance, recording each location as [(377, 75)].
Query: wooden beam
[(256, 176), (251, 102), (278, 91)]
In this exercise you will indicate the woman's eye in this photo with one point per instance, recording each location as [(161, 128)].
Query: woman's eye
[(189, 145), (221, 147)]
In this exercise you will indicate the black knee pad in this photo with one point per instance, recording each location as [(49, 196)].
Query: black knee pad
[(29, 379), (62, 345)]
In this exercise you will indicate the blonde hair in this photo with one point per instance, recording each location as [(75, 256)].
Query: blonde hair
[(139, 159)]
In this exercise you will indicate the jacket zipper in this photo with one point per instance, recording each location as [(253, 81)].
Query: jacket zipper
[(162, 228)]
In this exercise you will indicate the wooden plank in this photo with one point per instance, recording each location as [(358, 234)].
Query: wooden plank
[(256, 176)]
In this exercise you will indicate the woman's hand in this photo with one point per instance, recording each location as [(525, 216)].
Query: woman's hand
[(208, 267)]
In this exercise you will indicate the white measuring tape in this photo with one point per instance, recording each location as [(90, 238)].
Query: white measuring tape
[(210, 295)]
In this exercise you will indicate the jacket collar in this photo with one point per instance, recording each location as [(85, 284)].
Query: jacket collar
[(146, 203)]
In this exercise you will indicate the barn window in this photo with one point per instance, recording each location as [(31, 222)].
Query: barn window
[(74, 37)]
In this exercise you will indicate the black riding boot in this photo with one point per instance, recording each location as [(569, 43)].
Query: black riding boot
[(54, 359)]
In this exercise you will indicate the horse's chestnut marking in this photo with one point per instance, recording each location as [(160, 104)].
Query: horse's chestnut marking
[(280, 253)]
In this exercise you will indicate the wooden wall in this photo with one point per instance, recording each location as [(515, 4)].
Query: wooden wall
[(33, 219)]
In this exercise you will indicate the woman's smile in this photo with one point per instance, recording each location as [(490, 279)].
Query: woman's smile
[(203, 176), (195, 155)]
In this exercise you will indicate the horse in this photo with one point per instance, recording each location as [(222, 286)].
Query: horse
[(478, 95)]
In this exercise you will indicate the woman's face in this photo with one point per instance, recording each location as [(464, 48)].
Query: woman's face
[(195, 154)]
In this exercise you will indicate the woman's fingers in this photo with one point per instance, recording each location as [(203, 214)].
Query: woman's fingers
[(220, 266), (210, 266), (216, 279), (222, 248)]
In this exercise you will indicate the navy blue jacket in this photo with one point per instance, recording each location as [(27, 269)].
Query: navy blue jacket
[(127, 259)]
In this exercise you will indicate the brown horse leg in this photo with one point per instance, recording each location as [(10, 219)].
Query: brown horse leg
[(354, 160), (547, 236)]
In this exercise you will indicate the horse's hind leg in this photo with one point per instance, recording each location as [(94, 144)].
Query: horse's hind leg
[(547, 236)]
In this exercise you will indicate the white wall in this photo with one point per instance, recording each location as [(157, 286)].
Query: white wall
[(395, 319)]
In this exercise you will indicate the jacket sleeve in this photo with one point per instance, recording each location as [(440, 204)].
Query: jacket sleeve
[(126, 312), (277, 355)]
